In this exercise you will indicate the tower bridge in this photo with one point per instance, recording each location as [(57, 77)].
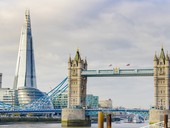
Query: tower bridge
[(77, 84), (77, 81), (78, 74)]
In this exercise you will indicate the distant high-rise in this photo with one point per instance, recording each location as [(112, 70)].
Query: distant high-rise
[(25, 68)]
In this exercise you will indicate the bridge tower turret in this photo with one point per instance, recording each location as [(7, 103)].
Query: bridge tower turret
[(74, 115), (161, 87), (76, 82), (161, 81)]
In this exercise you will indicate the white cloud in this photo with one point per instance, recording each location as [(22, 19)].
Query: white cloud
[(117, 32)]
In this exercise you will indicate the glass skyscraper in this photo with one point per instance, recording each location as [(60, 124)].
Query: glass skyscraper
[(25, 69)]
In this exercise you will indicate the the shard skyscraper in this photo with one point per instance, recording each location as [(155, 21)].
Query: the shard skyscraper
[(25, 69)]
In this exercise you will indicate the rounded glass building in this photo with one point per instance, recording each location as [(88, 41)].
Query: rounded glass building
[(32, 98)]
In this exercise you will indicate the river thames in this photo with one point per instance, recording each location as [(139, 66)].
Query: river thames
[(58, 125)]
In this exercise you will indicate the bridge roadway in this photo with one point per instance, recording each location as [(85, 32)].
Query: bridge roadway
[(116, 72), (88, 111)]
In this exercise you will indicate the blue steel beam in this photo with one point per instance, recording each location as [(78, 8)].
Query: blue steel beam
[(118, 73), (144, 113), (118, 110), (88, 111), (31, 111)]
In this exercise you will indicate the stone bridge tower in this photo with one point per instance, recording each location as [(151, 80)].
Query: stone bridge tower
[(74, 115), (76, 83), (161, 81), (161, 87)]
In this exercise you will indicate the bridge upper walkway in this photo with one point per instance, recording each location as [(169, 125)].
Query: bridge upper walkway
[(116, 72)]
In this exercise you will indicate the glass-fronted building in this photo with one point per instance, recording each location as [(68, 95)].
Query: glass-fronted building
[(27, 95), (92, 101), (32, 98), (8, 96), (60, 101)]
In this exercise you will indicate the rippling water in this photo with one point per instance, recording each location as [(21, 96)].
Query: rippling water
[(58, 125)]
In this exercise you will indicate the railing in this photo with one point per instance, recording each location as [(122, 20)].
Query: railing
[(156, 125)]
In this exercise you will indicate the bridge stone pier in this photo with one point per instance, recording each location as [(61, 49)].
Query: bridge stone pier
[(74, 115), (161, 88)]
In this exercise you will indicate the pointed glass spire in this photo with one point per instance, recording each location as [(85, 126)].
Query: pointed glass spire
[(25, 68), (27, 19)]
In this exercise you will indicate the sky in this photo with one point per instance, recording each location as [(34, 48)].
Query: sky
[(106, 32)]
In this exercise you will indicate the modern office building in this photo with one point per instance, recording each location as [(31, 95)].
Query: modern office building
[(60, 101), (105, 104), (25, 69), (92, 101), (7, 96), (27, 95)]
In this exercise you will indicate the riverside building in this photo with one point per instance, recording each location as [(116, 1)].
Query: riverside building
[(105, 104), (92, 101), (7, 96), (60, 101)]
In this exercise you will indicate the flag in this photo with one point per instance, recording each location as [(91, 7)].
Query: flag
[(127, 64)]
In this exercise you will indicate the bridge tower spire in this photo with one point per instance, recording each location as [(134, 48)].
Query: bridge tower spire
[(76, 82)]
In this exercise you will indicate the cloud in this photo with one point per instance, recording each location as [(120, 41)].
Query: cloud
[(117, 32)]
